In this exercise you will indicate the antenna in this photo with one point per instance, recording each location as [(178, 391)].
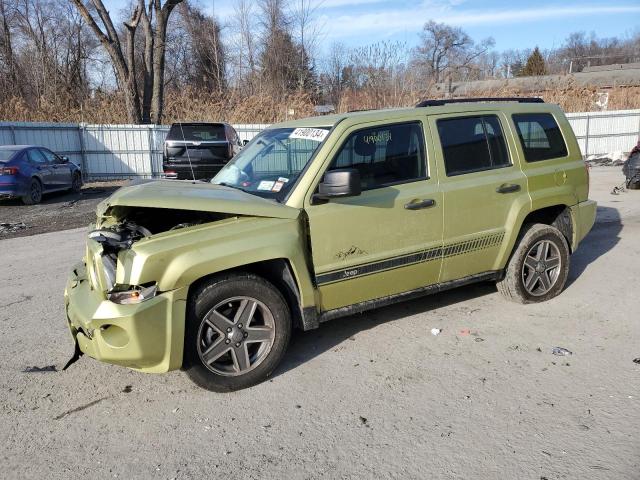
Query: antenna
[(184, 142)]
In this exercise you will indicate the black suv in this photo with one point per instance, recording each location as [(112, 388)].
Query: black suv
[(198, 150)]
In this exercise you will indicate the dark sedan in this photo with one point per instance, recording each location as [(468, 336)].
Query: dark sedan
[(28, 171)]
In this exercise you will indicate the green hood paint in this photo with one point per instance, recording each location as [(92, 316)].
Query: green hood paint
[(187, 195)]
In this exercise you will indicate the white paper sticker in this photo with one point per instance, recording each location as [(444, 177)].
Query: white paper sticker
[(277, 186), (265, 185), (283, 179), (315, 134)]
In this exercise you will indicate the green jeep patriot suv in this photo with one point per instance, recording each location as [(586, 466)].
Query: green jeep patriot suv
[(321, 218)]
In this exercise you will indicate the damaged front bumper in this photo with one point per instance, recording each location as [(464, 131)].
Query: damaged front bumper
[(148, 336)]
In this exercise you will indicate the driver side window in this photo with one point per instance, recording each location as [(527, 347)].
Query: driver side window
[(385, 155), (50, 156)]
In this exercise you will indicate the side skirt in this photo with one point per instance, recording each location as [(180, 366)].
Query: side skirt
[(400, 297)]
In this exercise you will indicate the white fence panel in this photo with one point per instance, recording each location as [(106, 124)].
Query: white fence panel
[(63, 138), (127, 151), (606, 132)]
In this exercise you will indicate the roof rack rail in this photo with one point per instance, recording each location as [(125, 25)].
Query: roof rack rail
[(438, 103)]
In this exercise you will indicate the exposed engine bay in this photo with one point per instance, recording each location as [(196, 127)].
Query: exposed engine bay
[(121, 227)]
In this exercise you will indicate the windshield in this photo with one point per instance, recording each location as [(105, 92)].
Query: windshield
[(6, 154), (270, 164), (196, 133)]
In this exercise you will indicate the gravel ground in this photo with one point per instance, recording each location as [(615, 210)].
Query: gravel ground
[(58, 211), (370, 396)]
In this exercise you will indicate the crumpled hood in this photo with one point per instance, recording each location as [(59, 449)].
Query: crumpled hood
[(187, 195)]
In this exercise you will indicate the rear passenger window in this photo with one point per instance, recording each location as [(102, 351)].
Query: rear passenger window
[(384, 155), (35, 156), (540, 136), (472, 144)]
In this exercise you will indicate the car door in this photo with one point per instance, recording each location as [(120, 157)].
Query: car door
[(42, 167), (387, 240), (61, 171), (484, 188)]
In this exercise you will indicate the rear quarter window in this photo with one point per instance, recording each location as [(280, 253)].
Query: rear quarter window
[(540, 136)]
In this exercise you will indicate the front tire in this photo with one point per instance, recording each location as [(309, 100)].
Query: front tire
[(76, 183), (238, 327), (539, 266)]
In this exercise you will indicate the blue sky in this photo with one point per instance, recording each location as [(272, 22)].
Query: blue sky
[(513, 24)]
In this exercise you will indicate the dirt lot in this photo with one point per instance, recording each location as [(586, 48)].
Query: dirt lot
[(58, 211), (370, 396)]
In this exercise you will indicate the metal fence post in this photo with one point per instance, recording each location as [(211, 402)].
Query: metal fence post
[(13, 134), (586, 138), (83, 154), (151, 149)]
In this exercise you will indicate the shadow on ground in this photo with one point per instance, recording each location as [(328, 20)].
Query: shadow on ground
[(307, 345), (604, 235)]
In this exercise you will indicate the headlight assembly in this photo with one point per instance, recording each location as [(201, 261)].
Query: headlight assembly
[(132, 294)]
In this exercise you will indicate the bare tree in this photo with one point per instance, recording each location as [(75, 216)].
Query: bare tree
[(444, 48), (303, 14), (8, 63), (202, 63), (154, 18), (334, 71), (244, 52), (279, 66)]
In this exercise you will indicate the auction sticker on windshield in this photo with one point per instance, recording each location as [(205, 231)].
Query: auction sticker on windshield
[(265, 185), (315, 134)]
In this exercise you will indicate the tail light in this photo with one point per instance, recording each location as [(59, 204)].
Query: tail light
[(9, 171)]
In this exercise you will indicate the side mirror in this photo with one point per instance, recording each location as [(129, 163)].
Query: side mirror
[(244, 142), (64, 159), (339, 183)]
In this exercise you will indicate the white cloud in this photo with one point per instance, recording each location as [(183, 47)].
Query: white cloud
[(389, 22)]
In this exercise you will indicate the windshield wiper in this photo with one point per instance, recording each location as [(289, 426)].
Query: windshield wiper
[(224, 184)]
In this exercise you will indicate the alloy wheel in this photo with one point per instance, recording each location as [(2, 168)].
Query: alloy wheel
[(541, 268), (35, 191), (236, 336)]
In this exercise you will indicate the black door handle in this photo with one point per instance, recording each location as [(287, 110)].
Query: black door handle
[(417, 205), (508, 188)]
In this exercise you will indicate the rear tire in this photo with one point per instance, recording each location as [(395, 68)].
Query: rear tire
[(34, 193), (539, 266), (238, 327), (76, 183)]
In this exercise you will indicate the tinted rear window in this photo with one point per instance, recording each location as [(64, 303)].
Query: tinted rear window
[(472, 144), (540, 136), (5, 155), (196, 133)]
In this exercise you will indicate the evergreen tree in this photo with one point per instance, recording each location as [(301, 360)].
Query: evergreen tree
[(535, 65)]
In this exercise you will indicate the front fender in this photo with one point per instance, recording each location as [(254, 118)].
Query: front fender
[(176, 259)]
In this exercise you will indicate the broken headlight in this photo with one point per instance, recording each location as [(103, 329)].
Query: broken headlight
[(132, 294)]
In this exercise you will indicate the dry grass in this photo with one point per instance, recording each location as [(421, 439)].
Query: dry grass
[(235, 107)]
